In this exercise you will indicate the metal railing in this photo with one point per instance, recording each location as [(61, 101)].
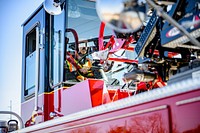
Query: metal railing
[(16, 115)]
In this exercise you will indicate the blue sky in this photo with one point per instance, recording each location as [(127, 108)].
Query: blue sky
[(12, 14)]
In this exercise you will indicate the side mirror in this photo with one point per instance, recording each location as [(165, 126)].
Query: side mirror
[(123, 16), (53, 7)]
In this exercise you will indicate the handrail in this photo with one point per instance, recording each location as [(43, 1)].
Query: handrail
[(37, 64), (13, 113)]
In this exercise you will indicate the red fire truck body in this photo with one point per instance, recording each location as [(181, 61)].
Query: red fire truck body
[(130, 97), (174, 108)]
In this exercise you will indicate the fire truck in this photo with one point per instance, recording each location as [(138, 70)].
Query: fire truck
[(145, 68)]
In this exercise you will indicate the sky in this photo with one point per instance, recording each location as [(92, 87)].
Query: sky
[(12, 15)]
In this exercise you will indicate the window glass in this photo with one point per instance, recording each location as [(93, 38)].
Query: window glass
[(30, 62), (57, 48), (83, 18), (30, 42)]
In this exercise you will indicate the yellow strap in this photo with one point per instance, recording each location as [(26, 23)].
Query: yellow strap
[(88, 63), (70, 66)]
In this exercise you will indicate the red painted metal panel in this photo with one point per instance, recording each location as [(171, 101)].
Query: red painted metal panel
[(84, 95), (174, 113), (98, 93), (159, 116), (136, 119), (187, 113), (73, 99), (64, 101), (116, 94)]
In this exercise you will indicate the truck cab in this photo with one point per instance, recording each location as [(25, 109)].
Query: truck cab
[(47, 41)]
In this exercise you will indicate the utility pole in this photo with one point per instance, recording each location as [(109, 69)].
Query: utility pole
[(10, 107)]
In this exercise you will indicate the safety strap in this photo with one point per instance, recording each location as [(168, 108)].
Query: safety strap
[(74, 62)]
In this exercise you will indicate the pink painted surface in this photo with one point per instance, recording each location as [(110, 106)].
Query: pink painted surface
[(165, 115)]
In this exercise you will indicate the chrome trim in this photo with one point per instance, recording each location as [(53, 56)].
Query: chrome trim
[(114, 118), (56, 121), (186, 101), (37, 68)]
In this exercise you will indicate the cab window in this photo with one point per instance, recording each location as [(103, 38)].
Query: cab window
[(83, 18), (30, 62)]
